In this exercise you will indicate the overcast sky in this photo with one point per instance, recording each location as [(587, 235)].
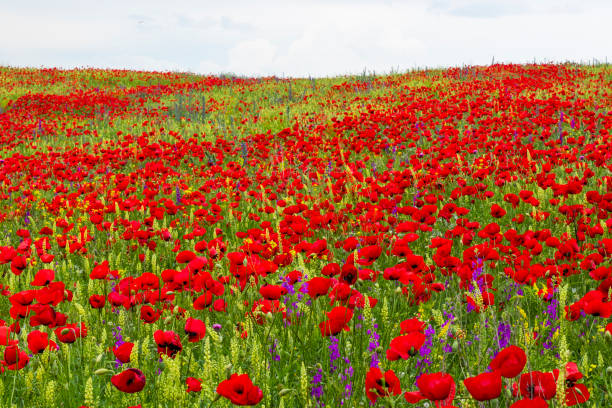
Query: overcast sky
[(300, 38)]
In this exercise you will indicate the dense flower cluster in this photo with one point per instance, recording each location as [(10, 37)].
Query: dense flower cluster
[(435, 237)]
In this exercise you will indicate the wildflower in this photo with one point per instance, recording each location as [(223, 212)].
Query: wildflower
[(485, 386), (338, 317), (14, 358), (373, 346), (504, 331), (239, 389), (334, 354), (316, 390), (530, 403), (195, 329), (130, 381), (168, 342), (510, 361), (272, 350), (538, 384), (123, 352), (574, 393), (193, 384), (405, 346), (377, 385)]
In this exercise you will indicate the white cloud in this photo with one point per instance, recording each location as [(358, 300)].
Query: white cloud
[(252, 56), (294, 37)]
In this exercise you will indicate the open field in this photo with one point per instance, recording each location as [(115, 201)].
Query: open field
[(434, 238)]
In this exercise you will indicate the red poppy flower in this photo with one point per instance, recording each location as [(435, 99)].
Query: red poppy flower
[(130, 381), (5, 336), (69, 333), (168, 342), (410, 325), (123, 352), (184, 257), (412, 397), (574, 393), (195, 329), (437, 387), (102, 271), (220, 305), (148, 314), (378, 386), (18, 264), (331, 269), (537, 402), (485, 386), (349, 274), (203, 301), (38, 341), (338, 319), (97, 301), (43, 277), (318, 286), (193, 384), (510, 361), (272, 292), (14, 358), (367, 255), (538, 384), (405, 346), (239, 389), (497, 211)]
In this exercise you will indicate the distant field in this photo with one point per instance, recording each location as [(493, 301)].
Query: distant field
[(434, 238)]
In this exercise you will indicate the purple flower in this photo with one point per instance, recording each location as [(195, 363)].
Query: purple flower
[(348, 387), (272, 351), (178, 196), (316, 390), (334, 354), (289, 287), (118, 341), (373, 345), (504, 332), (425, 351)]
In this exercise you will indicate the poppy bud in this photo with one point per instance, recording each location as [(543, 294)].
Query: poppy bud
[(284, 391), (609, 370), (102, 371), (269, 317), (228, 370)]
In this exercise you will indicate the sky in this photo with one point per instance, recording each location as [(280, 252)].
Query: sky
[(300, 38)]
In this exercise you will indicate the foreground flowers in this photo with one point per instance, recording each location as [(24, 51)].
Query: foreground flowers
[(129, 381), (450, 226), (239, 389), (485, 386), (437, 387), (379, 385)]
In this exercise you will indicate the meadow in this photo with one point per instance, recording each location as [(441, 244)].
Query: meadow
[(435, 238)]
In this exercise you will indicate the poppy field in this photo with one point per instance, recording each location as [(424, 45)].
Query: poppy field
[(438, 238)]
